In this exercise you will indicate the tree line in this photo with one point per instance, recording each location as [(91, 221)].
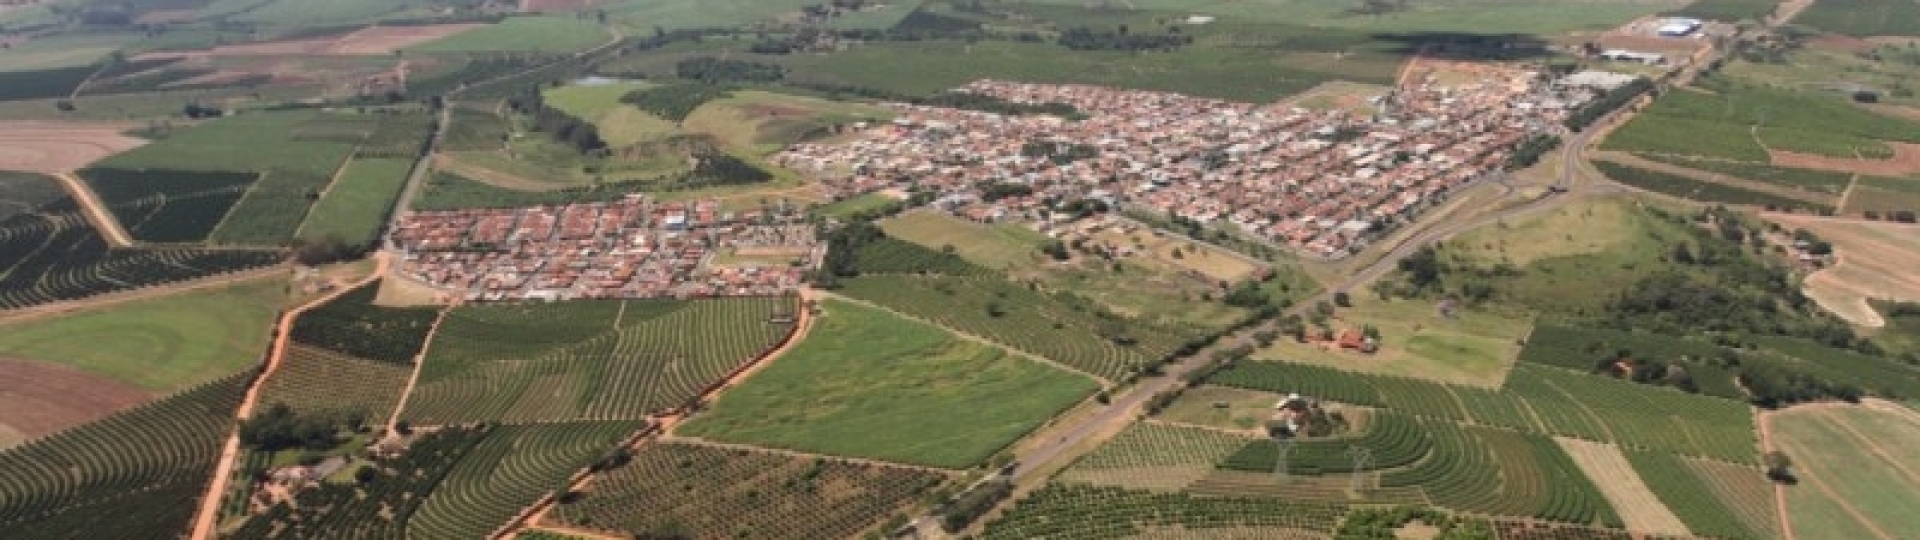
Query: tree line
[(1087, 39), (1591, 112), (711, 70), (583, 136)]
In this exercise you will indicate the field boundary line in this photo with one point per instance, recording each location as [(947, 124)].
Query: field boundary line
[(680, 439), (419, 362), (1104, 383), (258, 178), (1869, 443), (1190, 425), (206, 519), (1806, 475), (54, 309), (96, 211), (1597, 418)]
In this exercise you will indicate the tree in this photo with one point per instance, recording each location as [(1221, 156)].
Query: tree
[(1341, 299), (1779, 467), (366, 474)]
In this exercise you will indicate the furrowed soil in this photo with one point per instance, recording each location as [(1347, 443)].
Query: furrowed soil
[(52, 147)]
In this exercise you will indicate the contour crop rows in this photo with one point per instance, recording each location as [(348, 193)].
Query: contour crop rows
[(133, 474), (1155, 456), (350, 324), (590, 360), (697, 491), (1077, 512), (315, 380)]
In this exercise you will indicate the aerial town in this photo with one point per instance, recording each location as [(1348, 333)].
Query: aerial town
[(630, 248), (1321, 182)]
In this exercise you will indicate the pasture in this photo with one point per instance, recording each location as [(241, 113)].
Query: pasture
[(588, 359), (1876, 261), (1541, 17), (764, 122), (63, 51), (160, 345), (355, 207), (854, 206), (1222, 408), (1883, 196), (706, 491), (308, 142), (1864, 18), (555, 34), (1000, 246), (1473, 347), (620, 124), (1860, 459), (866, 383)]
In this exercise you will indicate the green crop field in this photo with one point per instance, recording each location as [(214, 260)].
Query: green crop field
[(163, 344), (248, 142), (1545, 17), (62, 51), (588, 359), (1864, 18), (858, 205), (1828, 182), (316, 380), (1727, 10), (1062, 330), (509, 470), (765, 122), (641, 16), (1155, 456), (1857, 456), (352, 325), (1691, 498), (1084, 512), (700, 491), (870, 384), (1683, 122), (620, 124), (355, 207), (130, 475), (1688, 188), (556, 34), (297, 12)]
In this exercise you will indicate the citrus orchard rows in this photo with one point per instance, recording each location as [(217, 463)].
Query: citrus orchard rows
[(590, 360), (118, 466), (701, 491)]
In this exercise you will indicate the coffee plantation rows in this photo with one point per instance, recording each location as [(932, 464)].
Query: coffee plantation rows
[(1670, 479), (1500, 472), (136, 472), (352, 325), (672, 489), (169, 206), (590, 360), (320, 381), (55, 257), (1150, 455), (1583, 349), (1331, 488), (1075, 512), (1067, 330), (272, 209), (512, 468), (1565, 403), (1385, 524), (26, 193), (1395, 441)]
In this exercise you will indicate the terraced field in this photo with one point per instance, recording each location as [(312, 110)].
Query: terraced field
[(586, 360), (312, 379), (1154, 456), (709, 492), (509, 470), (141, 467), (1711, 498)]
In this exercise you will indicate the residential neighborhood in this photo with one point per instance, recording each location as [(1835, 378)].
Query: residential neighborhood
[(1321, 182), (630, 248)]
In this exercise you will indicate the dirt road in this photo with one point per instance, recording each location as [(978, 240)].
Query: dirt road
[(206, 519), (95, 211)]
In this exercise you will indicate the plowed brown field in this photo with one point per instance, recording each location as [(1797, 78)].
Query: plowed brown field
[(38, 399)]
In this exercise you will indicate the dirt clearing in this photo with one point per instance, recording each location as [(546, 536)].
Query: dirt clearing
[(1623, 487), (53, 147), (1905, 161), (1876, 261), (38, 399)]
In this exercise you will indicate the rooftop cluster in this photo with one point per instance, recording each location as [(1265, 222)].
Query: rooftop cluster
[(1321, 182), (630, 248)]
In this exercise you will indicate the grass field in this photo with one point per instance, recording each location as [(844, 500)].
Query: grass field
[(1222, 407), (253, 142), (355, 207), (61, 51), (1531, 17), (644, 15), (298, 12), (1155, 456), (1832, 68), (1474, 348), (866, 383), (555, 34), (1864, 17), (847, 208), (765, 122), (1860, 457), (1001, 246), (620, 124), (162, 345)]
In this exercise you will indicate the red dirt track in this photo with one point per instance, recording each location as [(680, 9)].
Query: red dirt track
[(1905, 161), (39, 399)]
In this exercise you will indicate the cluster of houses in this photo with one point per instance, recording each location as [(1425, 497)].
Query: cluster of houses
[(629, 248), (1321, 182)]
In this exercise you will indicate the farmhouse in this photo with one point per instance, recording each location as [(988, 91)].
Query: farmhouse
[(1624, 55)]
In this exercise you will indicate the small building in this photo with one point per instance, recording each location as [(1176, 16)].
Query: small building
[(1678, 27), (1595, 79)]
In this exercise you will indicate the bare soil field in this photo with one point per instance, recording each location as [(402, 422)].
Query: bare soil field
[(1623, 487), (38, 399), (1842, 43), (1905, 160), (52, 147), (1876, 260)]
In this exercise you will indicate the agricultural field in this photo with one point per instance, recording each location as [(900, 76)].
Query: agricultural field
[(1689, 188), (1062, 329), (1859, 459), (1811, 180), (319, 381), (1222, 408), (620, 124), (509, 470), (1156, 456), (56, 147), (1727, 10), (1007, 247), (589, 359), (867, 383), (1883, 196), (142, 466), (160, 345), (169, 206), (556, 34), (1863, 18), (1696, 123), (308, 142), (701, 491), (1639, 508), (1471, 347), (354, 209), (64, 51), (1584, 349), (1875, 263), (1085, 512), (1545, 17), (1711, 498), (764, 122), (352, 325)]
